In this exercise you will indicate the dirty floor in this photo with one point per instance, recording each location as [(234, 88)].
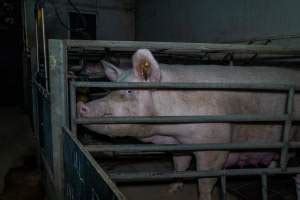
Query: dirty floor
[(19, 174)]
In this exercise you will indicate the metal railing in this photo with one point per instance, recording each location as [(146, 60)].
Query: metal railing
[(286, 119)]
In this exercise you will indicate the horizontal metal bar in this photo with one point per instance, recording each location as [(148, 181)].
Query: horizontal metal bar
[(160, 176), (182, 47), (294, 145), (188, 86), (181, 119), (180, 147), (265, 38)]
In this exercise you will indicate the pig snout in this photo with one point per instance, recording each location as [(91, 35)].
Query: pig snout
[(82, 110), (91, 109)]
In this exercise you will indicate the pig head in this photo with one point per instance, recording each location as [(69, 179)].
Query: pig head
[(125, 102)]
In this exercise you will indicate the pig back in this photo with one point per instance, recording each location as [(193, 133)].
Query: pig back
[(264, 103), (239, 74)]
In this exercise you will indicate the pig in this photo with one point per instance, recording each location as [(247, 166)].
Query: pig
[(194, 102)]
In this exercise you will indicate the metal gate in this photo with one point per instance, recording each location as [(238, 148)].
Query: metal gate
[(79, 176)]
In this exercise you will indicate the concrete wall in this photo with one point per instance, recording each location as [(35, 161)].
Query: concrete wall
[(114, 18), (214, 20)]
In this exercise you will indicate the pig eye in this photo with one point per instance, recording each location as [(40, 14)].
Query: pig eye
[(129, 92)]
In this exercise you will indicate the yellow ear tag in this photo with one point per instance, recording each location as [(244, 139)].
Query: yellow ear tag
[(145, 70)]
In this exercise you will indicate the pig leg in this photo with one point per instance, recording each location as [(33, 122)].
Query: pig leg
[(181, 163), (210, 160)]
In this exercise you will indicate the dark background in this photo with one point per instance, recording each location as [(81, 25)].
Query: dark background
[(10, 52)]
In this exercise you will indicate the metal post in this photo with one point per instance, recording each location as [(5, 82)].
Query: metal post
[(264, 186), (287, 128), (297, 183), (44, 49), (73, 108), (57, 72), (223, 187)]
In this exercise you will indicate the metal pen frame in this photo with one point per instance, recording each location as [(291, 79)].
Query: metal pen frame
[(284, 145), (58, 66)]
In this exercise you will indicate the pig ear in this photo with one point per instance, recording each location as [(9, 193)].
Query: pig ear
[(145, 66), (111, 71)]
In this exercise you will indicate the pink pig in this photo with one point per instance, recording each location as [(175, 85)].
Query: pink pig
[(192, 102)]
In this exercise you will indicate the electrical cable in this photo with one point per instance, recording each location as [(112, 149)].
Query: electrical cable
[(82, 18), (83, 30)]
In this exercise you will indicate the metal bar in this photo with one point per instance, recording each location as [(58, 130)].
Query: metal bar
[(160, 176), (294, 145), (287, 129), (73, 108), (297, 183), (264, 186), (181, 119), (181, 147), (47, 168), (182, 47), (57, 63), (40, 88), (44, 49), (223, 188), (270, 38), (189, 86), (37, 43)]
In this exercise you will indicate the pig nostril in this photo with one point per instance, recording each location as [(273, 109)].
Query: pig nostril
[(83, 110)]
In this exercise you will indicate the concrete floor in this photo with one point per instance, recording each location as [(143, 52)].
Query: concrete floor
[(160, 192), (16, 141), (242, 188), (156, 190)]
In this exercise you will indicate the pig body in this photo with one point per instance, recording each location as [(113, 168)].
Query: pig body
[(188, 103)]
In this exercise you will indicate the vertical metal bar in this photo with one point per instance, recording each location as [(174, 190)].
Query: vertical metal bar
[(286, 131), (297, 183), (264, 186), (57, 63), (223, 187), (35, 109), (44, 49), (231, 60), (73, 108), (37, 42)]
